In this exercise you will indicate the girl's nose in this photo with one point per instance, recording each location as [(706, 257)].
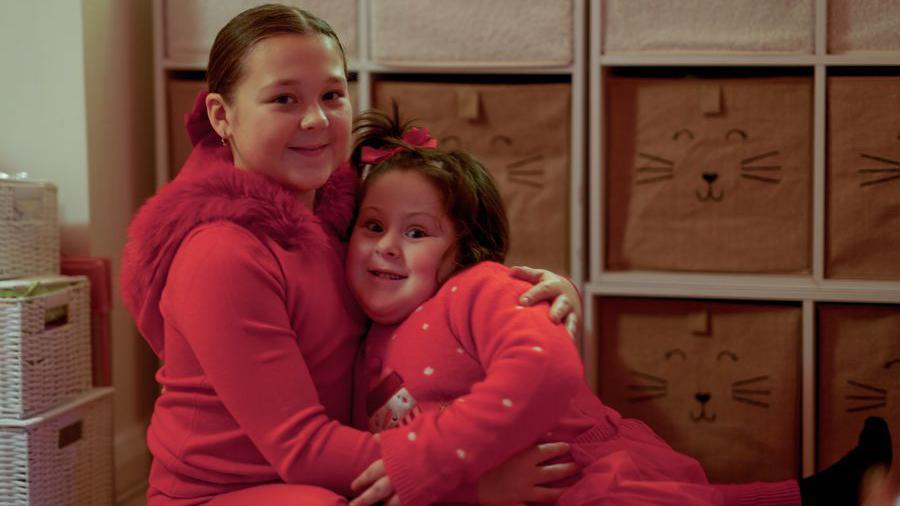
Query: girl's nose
[(387, 247), (313, 117)]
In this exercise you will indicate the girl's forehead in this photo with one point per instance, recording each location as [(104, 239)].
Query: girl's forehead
[(296, 57)]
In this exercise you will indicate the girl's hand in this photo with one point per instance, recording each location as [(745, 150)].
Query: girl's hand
[(379, 487), (547, 285), (517, 480)]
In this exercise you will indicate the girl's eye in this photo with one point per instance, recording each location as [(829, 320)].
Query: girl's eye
[(284, 99), (372, 226), (333, 95), (416, 233)]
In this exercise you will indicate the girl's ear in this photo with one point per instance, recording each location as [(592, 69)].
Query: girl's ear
[(218, 114)]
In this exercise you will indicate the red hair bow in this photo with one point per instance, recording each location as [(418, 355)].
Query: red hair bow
[(416, 137)]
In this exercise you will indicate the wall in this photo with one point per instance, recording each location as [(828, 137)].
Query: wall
[(76, 108)]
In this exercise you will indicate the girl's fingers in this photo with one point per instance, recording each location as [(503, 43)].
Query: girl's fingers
[(527, 273), (555, 472), (367, 477), (394, 501), (561, 308), (544, 494), (537, 293), (572, 325), (546, 451), (379, 491)]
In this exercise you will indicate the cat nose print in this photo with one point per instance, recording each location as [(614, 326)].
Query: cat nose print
[(710, 177), (703, 397)]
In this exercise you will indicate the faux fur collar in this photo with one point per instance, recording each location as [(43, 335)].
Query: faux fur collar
[(211, 189)]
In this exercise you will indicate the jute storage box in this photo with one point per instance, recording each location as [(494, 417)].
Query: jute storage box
[(45, 343), (526, 149), (29, 229), (863, 189), (703, 26), (62, 457), (191, 25), (858, 374), (472, 32), (863, 25), (717, 381), (709, 174)]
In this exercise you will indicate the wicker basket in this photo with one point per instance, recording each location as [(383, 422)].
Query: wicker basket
[(29, 233), (45, 347), (62, 457)]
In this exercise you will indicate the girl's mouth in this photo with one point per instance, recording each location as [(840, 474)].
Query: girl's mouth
[(309, 150), (386, 275)]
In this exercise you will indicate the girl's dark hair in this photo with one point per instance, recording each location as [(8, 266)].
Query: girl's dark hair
[(471, 199), (226, 57)]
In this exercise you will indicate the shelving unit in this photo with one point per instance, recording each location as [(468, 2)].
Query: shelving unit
[(807, 290)]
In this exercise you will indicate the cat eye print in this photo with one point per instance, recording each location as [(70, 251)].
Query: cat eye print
[(500, 139), (871, 397), (674, 353), (517, 172), (683, 132), (726, 353), (745, 390), (890, 363), (888, 173), (446, 142), (747, 169), (656, 389), (654, 168), (736, 132)]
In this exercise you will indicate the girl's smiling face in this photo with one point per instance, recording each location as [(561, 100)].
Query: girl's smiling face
[(289, 115), (402, 248)]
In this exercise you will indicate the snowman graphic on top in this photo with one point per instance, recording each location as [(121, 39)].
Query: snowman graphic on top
[(389, 404)]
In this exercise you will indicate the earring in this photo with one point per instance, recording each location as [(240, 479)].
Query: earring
[(224, 140)]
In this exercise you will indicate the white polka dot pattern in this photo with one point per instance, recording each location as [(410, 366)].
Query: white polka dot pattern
[(507, 403), (411, 436), (460, 453), (428, 371), (424, 326)]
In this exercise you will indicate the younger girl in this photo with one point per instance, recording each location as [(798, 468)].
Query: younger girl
[(470, 377)]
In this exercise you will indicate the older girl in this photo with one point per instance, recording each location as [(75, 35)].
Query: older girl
[(234, 275)]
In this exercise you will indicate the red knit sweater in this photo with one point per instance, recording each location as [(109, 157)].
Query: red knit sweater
[(240, 291)]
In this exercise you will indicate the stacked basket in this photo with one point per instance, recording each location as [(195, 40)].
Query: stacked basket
[(55, 431)]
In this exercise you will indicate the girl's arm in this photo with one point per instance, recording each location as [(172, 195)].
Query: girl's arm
[(532, 372), (226, 297)]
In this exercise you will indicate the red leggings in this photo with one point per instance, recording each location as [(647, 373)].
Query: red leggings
[(276, 493)]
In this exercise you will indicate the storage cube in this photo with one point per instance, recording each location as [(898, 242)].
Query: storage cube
[(29, 229), (709, 174), (863, 25), (61, 457), (863, 192), (191, 26), (717, 381), (700, 26), (45, 346), (858, 374), (472, 32), (526, 149)]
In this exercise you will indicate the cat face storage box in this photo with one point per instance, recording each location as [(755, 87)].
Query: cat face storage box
[(717, 381), (520, 132), (859, 374), (709, 174), (863, 190)]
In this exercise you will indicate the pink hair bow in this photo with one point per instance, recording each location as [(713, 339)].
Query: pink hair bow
[(416, 137)]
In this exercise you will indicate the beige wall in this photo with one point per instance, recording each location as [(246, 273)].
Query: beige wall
[(76, 108)]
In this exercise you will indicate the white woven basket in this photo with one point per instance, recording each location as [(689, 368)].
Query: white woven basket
[(62, 457), (45, 343), (29, 231)]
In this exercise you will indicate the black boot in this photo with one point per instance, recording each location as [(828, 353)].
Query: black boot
[(839, 485)]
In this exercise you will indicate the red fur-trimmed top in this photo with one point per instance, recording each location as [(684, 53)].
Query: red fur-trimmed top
[(209, 189)]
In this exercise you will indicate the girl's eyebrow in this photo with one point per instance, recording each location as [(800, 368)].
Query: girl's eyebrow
[(296, 82)]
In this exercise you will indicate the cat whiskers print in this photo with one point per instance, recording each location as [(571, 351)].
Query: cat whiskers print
[(867, 397), (880, 174)]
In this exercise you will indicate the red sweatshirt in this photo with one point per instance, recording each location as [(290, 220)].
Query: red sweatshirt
[(240, 291), (470, 379)]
